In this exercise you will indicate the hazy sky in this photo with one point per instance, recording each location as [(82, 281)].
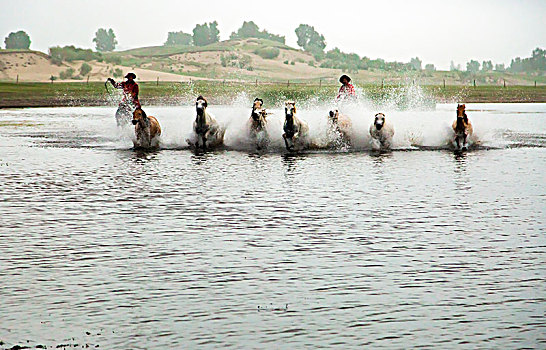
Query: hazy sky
[(435, 31)]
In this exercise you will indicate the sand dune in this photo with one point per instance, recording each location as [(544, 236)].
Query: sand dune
[(36, 67)]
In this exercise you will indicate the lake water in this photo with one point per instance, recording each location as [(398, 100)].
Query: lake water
[(419, 247)]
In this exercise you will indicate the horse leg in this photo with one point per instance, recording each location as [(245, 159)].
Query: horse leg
[(204, 140), (464, 143), (457, 141)]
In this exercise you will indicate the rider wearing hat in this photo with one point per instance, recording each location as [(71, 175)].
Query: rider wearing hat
[(130, 89), (130, 96), (347, 90)]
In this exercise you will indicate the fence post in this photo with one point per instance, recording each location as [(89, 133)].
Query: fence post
[(382, 81), (320, 83), (474, 82), (256, 82), (17, 81), (157, 82), (88, 79), (444, 83), (535, 83), (504, 82), (288, 83)]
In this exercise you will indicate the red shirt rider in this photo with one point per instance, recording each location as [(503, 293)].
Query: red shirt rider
[(347, 90), (130, 89)]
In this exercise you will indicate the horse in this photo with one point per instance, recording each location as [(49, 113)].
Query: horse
[(462, 128), (147, 130), (381, 132), (296, 131), (339, 129), (257, 124), (208, 133)]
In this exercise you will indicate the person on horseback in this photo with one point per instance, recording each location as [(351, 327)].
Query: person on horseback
[(130, 100), (347, 90)]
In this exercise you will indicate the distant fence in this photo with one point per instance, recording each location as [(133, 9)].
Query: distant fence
[(298, 82)]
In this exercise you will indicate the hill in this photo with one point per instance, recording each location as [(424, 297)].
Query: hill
[(233, 60)]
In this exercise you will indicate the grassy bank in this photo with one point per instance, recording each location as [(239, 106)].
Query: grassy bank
[(168, 93)]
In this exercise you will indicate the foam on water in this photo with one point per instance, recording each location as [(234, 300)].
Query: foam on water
[(417, 123), (408, 108)]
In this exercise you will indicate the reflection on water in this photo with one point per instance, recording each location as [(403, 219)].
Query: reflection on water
[(102, 245)]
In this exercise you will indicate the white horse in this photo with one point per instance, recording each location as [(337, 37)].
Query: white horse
[(208, 133), (381, 132), (340, 129)]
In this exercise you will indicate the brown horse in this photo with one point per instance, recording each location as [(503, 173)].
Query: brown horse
[(147, 130), (257, 124), (296, 131), (462, 128)]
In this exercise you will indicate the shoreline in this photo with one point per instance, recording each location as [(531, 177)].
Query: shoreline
[(29, 95)]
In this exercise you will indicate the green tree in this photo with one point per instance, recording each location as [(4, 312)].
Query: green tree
[(430, 67), (500, 67), (487, 66), (105, 40), (516, 65), (247, 30), (473, 66), (205, 34), (309, 39), (85, 69), (251, 30), (416, 63), (539, 59), (178, 38), (17, 40)]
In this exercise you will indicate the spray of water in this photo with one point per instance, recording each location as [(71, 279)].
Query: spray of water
[(416, 120)]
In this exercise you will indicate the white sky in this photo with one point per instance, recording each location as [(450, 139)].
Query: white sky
[(435, 31)]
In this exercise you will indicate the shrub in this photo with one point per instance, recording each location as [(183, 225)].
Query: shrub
[(85, 69), (72, 53), (268, 52), (286, 62), (67, 74), (118, 73), (292, 63), (113, 59)]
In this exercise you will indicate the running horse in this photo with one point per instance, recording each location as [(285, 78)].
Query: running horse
[(208, 132), (339, 129), (295, 130), (257, 124), (462, 128), (147, 130)]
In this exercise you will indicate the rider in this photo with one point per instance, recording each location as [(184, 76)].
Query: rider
[(130, 96), (347, 90)]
